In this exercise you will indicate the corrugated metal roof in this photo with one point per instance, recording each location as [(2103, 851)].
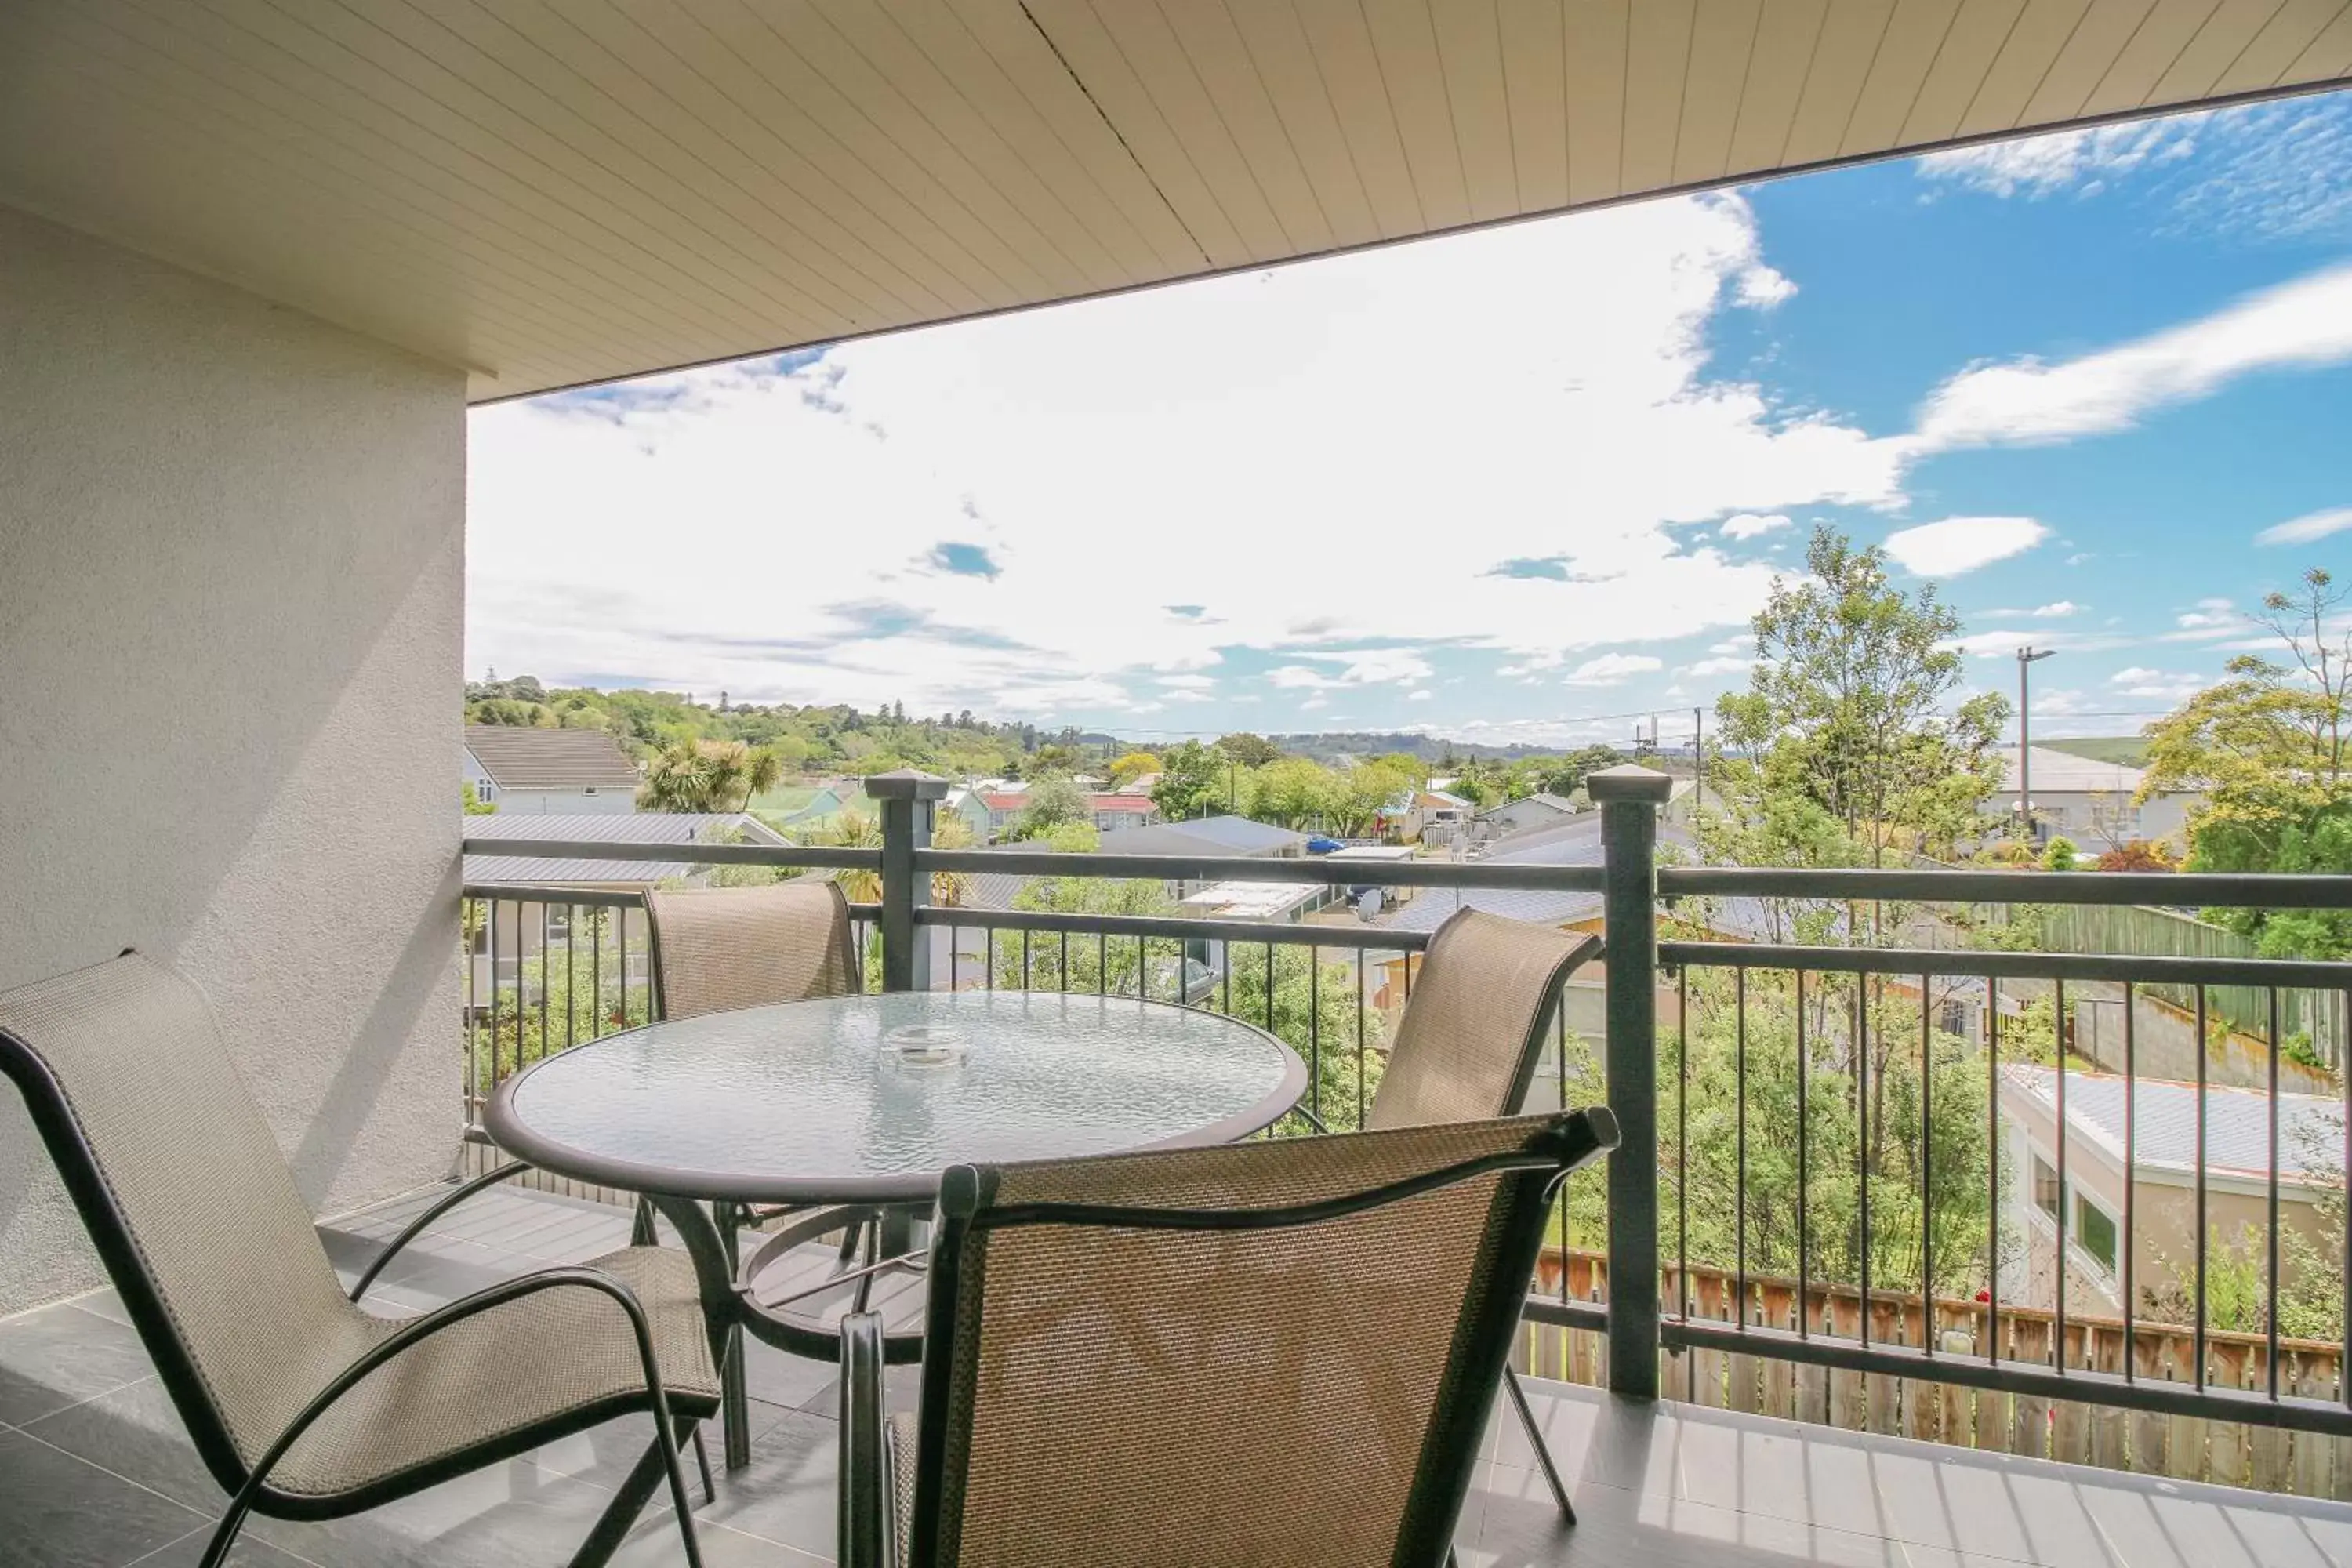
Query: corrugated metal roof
[(2063, 773), (607, 827), (518, 757), (1201, 836), (2164, 1131)]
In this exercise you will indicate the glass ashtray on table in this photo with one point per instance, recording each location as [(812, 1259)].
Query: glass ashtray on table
[(925, 1045)]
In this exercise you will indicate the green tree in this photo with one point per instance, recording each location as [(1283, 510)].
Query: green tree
[(706, 776), (2266, 747), (1250, 750), (1053, 802), (2059, 854), (1848, 741), (1293, 791), (1194, 781), (475, 805), (1134, 765)]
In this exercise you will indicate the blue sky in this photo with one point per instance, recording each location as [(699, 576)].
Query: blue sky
[(1513, 486)]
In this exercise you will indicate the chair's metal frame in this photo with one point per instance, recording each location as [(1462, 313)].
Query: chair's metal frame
[(248, 1486), (1464, 1404)]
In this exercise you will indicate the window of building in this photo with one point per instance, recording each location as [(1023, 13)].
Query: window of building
[(2094, 1231), (1955, 1017), (2045, 1187)]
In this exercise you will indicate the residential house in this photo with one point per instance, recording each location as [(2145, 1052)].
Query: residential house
[(525, 772), (2092, 802), (2163, 1184), (1424, 816), (1542, 809)]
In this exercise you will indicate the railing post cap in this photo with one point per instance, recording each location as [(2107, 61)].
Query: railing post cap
[(1629, 780), (905, 784)]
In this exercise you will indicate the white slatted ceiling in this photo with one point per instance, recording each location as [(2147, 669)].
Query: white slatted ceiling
[(548, 192)]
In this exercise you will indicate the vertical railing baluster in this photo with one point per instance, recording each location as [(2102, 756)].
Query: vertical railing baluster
[(1861, 1133), (596, 969), (1361, 1105), (1804, 1159), (1062, 966), (2271, 1315), (1992, 1169), (621, 941), (1225, 976), (1143, 970), (2131, 1178), (1628, 798), (1025, 983), (543, 981), (570, 977), (1102, 963), (1739, 1139), (1927, 1176), (955, 956), (1315, 1025), (470, 911), (2197, 1331), (1682, 1169), (2065, 1195), (1270, 988)]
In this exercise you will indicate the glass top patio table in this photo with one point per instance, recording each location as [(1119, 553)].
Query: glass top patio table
[(811, 1102)]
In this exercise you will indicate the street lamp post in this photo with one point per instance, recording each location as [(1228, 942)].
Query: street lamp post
[(2026, 657)]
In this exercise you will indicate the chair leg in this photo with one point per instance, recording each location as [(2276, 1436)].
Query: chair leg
[(225, 1536), (1536, 1440), (636, 1490), (641, 1232), (702, 1462)]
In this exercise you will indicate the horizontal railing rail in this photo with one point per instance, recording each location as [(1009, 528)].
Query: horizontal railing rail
[(2201, 889), (1311, 871)]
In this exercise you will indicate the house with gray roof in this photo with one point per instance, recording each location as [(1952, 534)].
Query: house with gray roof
[(524, 772), (2160, 1116)]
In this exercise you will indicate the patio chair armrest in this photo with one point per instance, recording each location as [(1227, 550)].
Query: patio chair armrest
[(410, 1332), (442, 1205), (866, 1528)]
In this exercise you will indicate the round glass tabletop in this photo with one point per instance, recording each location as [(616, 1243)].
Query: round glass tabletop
[(868, 1098)]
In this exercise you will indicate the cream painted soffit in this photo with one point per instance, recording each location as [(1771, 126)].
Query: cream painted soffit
[(568, 192)]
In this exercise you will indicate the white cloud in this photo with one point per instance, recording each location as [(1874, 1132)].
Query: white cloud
[(2037, 166), (1252, 402), (2162, 685), (2058, 610), (1958, 545), (2024, 402), (1743, 644), (2209, 615), (2310, 525), (1724, 666), (2271, 170), (1362, 667), (1748, 525), (1761, 288), (1611, 667), (1187, 682), (1420, 696)]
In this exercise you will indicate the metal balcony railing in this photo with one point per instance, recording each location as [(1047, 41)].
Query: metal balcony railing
[(1787, 1318)]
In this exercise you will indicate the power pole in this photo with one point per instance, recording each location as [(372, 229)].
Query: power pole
[(1698, 758), (2027, 657)]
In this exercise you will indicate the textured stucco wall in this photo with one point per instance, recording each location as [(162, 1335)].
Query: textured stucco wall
[(231, 599)]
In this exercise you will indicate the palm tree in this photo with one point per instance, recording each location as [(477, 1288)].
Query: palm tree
[(855, 830), (707, 777)]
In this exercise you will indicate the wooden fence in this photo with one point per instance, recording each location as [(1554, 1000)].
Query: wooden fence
[(2153, 932), (2182, 1447)]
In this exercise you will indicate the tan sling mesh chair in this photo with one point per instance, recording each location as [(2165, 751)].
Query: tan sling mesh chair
[(1468, 1049), (1279, 1352), (716, 948), (301, 1403)]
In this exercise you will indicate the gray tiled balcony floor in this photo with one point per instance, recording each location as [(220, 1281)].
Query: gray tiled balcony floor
[(96, 1473)]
